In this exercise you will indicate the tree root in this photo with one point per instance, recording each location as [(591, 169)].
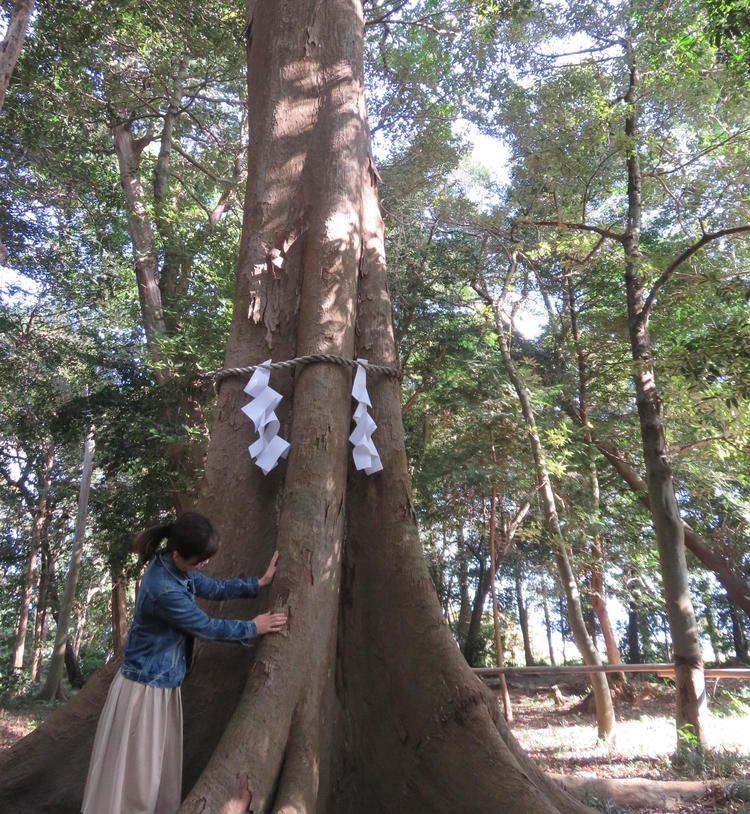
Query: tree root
[(665, 795)]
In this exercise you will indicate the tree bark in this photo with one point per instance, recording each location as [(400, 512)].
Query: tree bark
[(52, 684), (668, 525), (365, 704)]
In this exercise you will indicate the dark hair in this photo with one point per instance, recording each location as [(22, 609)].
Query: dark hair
[(192, 536)]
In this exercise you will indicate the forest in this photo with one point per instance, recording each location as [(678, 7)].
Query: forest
[(536, 217)]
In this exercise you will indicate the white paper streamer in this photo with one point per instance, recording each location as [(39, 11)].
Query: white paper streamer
[(364, 453), (261, 411)]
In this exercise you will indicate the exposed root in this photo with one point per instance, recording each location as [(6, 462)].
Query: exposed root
[(47, 769), (665, 795)]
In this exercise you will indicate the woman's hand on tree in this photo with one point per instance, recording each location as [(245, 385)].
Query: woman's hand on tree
[(270, 622), (267, 578)]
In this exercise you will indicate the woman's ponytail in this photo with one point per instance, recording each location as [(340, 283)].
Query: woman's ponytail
[(148, 541)]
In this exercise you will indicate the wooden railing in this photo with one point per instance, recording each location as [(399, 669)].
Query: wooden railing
[(663, 670)]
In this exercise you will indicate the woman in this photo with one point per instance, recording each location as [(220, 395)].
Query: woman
[(136, 762)]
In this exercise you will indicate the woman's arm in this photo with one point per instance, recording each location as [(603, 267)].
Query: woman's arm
[(208, 588), (178, 610)]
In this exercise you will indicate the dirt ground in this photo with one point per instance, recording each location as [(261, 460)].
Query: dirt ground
[(563, 741)]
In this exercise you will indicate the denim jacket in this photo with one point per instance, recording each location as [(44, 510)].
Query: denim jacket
[(166, 620)]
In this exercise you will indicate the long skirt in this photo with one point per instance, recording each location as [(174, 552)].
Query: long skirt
[(136, 762)]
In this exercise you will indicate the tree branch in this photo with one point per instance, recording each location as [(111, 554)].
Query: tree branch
[(686, 255), (579, 227)]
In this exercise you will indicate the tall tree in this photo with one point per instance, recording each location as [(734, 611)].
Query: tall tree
[(355, 712)]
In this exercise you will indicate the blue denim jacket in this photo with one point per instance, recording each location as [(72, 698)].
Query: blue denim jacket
[(166, 619)]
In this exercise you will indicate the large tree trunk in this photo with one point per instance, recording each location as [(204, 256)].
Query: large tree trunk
[(53, 683), (668, 525), (365, 704)]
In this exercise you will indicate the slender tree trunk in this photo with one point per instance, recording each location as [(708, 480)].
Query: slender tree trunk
[(547, 623), (28, 586), (523, 619), (605, 716), (598, 601), (39, 515), (634, 649), (40, 620), (507, 708), (128, 152), (738, 634), (119, 612), (464, 607), (738, 590), (599, 605), (473, 633), (670, 536), (710, 620), (364, 704), (562, 630), (53, 682)]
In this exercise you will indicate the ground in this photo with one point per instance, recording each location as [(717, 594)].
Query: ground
[(564, 742)]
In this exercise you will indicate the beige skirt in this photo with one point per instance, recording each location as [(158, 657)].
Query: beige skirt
[(136, 762)]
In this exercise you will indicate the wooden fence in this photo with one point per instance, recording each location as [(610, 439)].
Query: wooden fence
[(662, 670)]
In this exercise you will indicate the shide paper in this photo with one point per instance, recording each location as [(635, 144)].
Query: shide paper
[(267, 450), (364, 453)]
